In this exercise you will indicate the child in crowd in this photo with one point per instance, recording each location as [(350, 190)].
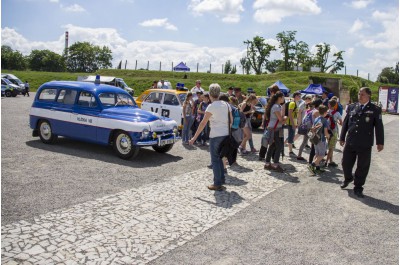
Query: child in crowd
[(187, 118), (334, 118), (200, 115), (320, 127)]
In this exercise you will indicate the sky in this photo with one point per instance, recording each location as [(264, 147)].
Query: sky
[(204, 32)]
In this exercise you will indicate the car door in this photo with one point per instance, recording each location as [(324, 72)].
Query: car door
[(63, 109), (153, 102), (171, 107), (85, 116)]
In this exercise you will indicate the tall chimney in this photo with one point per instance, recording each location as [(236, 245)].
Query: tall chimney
[(66, 42)]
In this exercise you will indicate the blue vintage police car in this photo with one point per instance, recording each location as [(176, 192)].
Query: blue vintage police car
[(100, 114)]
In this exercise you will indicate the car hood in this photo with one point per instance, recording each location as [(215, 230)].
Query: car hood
[(259, 109), (130, 113)]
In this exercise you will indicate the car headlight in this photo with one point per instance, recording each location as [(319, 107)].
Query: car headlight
[(145, 133)]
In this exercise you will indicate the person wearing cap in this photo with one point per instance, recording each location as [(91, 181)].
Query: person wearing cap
[(163, 86), (363, 120), (230, 91), (303, 110), (154, 85), (197, 88), (263, 150), (292, 121), (325, 98), (239, 95)]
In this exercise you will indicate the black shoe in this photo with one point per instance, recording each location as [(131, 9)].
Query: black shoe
[(359, 193), (346, 183), (209, 166)]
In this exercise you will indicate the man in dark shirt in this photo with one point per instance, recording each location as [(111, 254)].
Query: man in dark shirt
[(357, 137)]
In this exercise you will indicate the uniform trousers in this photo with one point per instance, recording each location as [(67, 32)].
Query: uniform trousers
[(352, 153)]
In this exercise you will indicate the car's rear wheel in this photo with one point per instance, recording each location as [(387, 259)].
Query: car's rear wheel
[(8, 93), (162, 149), (46, 133), (123, 145), (14, 93)]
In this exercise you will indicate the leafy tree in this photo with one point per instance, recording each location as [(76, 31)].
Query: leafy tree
[(302, 56), (228, 67), (233, 71), (46, 60), (85, 57), (287, 43), (322, 55), (273, 66), (389, 75), (12, 60), (258, 52), (245, 63), (337, 63)]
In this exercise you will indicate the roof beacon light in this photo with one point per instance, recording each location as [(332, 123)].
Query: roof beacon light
[(97, 80)]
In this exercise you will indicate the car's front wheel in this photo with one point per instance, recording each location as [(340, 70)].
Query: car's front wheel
[(123, 145), (8, 93), (46, 133), (162, 149)]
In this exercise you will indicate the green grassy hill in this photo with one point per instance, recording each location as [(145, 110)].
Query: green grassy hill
[(140, 80)]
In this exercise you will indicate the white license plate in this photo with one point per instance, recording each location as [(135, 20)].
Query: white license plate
[(164, 142)]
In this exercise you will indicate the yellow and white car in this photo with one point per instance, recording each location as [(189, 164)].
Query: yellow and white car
[(163, 102)]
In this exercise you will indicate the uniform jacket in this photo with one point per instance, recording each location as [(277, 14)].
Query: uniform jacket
[(359, 125)]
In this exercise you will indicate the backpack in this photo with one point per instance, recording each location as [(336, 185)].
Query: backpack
[(332, 123), (315, 136), (239, 118), (287, 107), (306, 124)]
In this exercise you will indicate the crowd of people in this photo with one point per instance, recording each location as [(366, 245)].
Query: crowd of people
[(209, 117)]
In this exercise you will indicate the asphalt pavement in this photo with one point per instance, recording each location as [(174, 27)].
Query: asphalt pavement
[(290, 218)]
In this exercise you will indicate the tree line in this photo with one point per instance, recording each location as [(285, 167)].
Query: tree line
[(296, 55), (79, 57)]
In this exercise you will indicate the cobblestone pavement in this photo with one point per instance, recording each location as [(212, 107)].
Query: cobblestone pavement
[(139, 225)]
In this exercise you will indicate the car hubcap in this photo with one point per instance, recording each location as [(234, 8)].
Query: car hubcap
[(124, 144), (45, 131)]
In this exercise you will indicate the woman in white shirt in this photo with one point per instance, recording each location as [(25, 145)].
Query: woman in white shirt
[(217, 113)]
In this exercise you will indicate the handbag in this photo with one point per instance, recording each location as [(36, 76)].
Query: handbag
[(302, 130), (268, 136)]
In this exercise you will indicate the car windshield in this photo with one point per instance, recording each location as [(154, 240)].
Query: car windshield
[(263, 101), (116, 99), (182, 97), (6, 81)]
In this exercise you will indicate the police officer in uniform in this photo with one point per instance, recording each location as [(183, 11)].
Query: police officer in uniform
[(357, 137)]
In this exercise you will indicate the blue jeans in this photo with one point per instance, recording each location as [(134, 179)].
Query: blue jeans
[(291, 133), (186, 128), (216, 161)]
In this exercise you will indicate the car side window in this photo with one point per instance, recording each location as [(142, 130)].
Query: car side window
[(48, 94), (154, 97), (67, 96), (171, 99), (86, 99)]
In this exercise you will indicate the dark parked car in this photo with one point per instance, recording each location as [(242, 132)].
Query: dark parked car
[(256, 119)]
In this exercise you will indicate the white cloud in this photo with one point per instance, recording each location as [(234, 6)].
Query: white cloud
[(357, 26), (273, 11), (167, 52), (389, 37), (228, 10), (162, 22), (73, 8), (360, 4), (349, 52)]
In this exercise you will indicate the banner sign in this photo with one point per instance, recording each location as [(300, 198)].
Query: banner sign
[(393, 100), (383, 95)]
